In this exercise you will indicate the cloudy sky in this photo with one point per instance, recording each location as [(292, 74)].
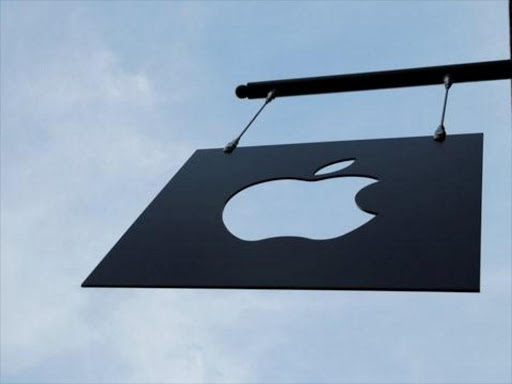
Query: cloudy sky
[(102, 102)]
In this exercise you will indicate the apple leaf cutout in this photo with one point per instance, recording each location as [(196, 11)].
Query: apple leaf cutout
[(334, 167)]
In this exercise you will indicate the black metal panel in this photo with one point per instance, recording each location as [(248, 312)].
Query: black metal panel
[(410, 77), (425, 236)]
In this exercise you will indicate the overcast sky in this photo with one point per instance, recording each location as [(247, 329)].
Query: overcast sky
[(102, 102)]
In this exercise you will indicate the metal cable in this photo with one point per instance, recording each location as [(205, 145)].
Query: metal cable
[(440, 133), (231, 146)]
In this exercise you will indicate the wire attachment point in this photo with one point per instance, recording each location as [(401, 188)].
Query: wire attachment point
[(231, 146)]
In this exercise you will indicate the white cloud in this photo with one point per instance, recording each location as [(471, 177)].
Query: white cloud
[(81, 112)]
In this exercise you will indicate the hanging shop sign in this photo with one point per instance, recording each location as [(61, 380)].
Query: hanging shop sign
[(425, 201), (425, 234)]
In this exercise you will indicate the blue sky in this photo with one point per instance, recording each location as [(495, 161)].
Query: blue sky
[(102, 102)]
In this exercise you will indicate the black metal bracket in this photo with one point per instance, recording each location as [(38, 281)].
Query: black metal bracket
[(411, 77)]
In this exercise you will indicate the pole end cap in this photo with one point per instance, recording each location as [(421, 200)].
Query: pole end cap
[(241, 91)]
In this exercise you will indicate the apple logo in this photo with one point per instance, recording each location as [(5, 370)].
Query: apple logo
[(320, 208)]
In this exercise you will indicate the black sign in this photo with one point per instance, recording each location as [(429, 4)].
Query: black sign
[(425, 235)]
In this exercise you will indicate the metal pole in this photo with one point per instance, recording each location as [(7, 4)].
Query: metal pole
[(510, 35), (459, 73)]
